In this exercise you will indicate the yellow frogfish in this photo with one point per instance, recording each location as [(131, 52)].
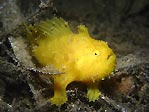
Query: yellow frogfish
[(76, 55)]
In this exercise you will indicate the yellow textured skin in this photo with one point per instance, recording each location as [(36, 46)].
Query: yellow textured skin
[(77, 55)]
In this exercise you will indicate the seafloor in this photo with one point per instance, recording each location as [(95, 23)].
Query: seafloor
[(122, 23)]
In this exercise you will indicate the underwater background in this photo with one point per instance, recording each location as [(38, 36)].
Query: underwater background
[(122, 23)]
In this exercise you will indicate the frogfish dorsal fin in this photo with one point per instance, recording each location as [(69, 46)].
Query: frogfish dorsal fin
[(54, 28), (83, 30)]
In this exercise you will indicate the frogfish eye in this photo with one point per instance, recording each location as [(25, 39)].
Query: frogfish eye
[(96, 53)]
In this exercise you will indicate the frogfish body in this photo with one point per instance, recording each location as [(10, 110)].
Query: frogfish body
[(78, 56)]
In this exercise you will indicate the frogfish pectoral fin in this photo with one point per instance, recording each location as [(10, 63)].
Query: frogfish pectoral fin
[(59, 98), (60, 84), (93, 92)]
